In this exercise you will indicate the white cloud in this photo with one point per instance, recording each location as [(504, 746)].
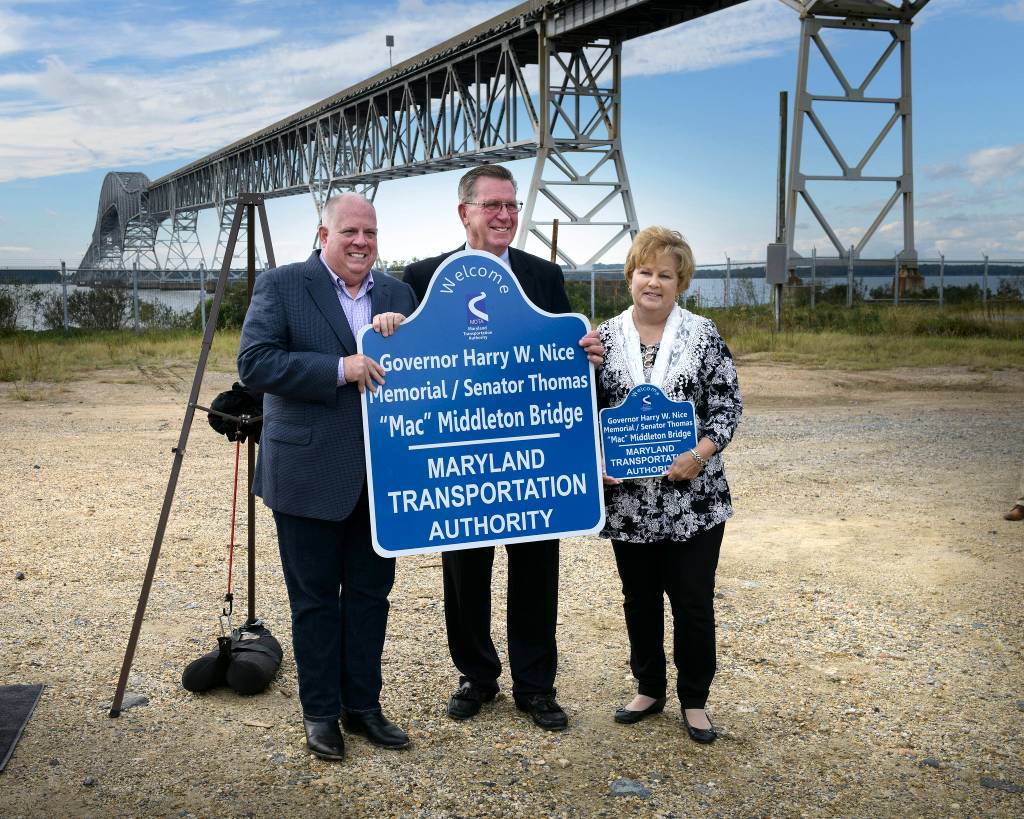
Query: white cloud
[(944, 170), (1012, 11), (970, 236), (1000, 162), (191, 38), (748, 31), (91, 38), (70, 115), (12, 32), (74, 117)]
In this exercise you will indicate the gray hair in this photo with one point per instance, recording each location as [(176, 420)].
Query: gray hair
[(467, 185)]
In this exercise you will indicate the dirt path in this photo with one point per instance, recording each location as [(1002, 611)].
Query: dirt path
[(870, 625)]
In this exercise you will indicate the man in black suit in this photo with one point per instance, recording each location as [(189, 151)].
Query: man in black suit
[(490, 214), (298, 347)]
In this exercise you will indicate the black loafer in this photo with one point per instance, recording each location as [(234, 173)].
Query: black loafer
[(628, 717), (466, 701), (545, 712), (324, 739), (705, 736), (375, 727)]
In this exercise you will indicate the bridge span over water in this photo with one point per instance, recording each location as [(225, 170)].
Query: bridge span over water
[(541, 80)]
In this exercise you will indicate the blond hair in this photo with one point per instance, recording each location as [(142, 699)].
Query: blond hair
[(653, 241)]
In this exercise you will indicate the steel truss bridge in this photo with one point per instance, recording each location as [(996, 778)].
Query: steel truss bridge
[(542, 80)]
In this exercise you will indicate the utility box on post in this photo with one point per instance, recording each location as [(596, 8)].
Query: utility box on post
[(775, 268)]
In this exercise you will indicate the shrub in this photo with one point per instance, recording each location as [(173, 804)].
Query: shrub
[(52, 311), (100, 308), (232, 308), (8, 308), (156, 314)]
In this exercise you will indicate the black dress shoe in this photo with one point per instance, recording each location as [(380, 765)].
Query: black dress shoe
[(324, 739), (705, 736), (628, 717), (466, 701), (545, 712), (375, 727)]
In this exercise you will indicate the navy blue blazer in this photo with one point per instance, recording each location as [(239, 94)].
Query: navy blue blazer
[(310, 460), (542, 280)]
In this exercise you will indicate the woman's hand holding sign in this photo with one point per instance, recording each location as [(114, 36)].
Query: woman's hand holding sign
[(685, 467)]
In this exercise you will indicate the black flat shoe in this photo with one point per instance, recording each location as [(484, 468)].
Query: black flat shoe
[(628, 717), (705, 736), (375, 727), (324, 739)]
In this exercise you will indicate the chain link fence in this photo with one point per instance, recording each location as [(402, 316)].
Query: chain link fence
[(141, 302), (992, 286), (54, 301)]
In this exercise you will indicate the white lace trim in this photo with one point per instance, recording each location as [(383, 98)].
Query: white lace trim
[(680, 351)]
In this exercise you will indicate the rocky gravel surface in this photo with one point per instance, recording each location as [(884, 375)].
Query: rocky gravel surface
[(870, 615)]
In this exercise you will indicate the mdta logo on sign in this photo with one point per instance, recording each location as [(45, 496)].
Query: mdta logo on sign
[(484, 431), (476, 306)]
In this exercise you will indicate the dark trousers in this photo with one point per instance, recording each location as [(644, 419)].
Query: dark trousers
[(532, 615), (686, 573), (338, 589)]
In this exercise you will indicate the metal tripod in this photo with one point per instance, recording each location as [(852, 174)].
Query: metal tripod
[(250, 202)]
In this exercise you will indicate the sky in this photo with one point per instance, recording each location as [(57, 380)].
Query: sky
[(87, 88)]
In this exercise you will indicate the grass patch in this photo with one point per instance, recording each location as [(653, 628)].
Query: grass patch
[(846, 351), (865, 337), (870, 337), (877, 320), (55, 357)]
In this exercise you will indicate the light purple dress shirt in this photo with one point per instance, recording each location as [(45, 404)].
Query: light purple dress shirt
[(358, 308)]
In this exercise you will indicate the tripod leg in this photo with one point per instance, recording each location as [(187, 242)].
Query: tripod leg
[(251, 531), (251, 451), (179, 455)]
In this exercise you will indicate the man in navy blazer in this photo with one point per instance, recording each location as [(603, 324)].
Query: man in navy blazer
[(490, 214), (298, 347)]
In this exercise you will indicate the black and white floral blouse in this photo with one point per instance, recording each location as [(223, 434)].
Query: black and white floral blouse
[(691, 363)]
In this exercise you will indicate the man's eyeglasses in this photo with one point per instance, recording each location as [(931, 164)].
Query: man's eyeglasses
[(494, 208)]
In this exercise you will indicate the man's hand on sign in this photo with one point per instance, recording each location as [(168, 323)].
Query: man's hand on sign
[(363, 371), (592, 346), (387, 323)]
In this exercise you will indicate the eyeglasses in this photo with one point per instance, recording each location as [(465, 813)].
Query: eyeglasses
[(494, 208)]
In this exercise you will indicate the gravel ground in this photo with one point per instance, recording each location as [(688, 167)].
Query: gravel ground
[(869, 604)]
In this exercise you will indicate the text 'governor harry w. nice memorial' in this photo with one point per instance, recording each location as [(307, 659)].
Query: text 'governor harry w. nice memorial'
[(484, 431)]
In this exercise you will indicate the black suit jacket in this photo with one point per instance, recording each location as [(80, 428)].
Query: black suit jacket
[(311, 460), (541, 280)]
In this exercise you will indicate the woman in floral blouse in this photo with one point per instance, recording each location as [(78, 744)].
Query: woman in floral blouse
[(667, 531)]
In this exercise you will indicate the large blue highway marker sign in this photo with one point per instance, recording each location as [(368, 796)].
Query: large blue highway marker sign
[(645, 433), (484, 431)]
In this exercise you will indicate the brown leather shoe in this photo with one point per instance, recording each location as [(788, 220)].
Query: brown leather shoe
[(1017, 513)]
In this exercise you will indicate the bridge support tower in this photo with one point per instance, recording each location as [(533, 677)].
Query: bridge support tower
[(861, 17), (579, 174)]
